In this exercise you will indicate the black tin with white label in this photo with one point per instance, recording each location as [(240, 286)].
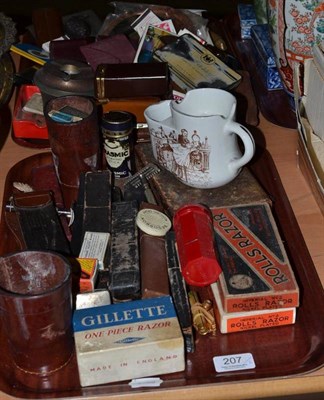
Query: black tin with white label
[(118, 138)]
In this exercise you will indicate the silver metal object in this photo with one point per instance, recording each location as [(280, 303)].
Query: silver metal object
[(67, 213)]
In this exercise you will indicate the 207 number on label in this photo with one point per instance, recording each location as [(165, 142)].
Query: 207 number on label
[(234, 362)]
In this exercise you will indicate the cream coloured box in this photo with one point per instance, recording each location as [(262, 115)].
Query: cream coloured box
[(248, 320), (128, 340)]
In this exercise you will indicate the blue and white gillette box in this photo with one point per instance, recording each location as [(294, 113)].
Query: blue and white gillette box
[(128, 340), (264, 57)]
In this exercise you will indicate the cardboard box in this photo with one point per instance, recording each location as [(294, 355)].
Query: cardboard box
[(89, 274), (128, 340), (264, 57), (313, 95), (95, 245), (310, 146), (247, 18), (256, 273), (248, 320)]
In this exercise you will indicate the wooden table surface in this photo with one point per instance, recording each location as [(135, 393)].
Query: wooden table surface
[(282, 144)]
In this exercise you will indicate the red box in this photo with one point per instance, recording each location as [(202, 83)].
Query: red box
[(28, 125)]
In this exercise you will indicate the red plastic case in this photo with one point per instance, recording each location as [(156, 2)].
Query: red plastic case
[(28, 125), (193, 227)]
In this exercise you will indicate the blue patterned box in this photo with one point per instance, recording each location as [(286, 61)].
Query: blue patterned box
[(264, 57), (247, 18)]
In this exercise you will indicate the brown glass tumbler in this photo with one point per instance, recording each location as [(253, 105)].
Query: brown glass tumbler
[(36, 310), (75, 145)]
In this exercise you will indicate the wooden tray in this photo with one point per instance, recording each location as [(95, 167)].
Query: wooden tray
[(278, 352)]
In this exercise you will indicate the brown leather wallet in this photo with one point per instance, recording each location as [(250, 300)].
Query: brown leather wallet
[(68, 49), (154, 272)]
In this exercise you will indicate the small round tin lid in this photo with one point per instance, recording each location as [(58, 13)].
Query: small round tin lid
[(118, 121), (153, 222)]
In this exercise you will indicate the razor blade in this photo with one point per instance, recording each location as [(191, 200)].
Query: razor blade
[(147, 173), (139, 183)]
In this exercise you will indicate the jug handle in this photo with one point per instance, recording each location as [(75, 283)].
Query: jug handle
[(248, 142)]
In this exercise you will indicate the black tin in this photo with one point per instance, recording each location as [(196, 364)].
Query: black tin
[(118, 137)]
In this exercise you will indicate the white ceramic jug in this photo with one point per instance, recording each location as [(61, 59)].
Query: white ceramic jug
[(196, 138)]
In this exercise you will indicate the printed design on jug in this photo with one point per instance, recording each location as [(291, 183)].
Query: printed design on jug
[(185, 154)]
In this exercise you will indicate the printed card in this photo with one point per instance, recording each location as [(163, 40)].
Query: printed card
[(192, 65), (151, 41)]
